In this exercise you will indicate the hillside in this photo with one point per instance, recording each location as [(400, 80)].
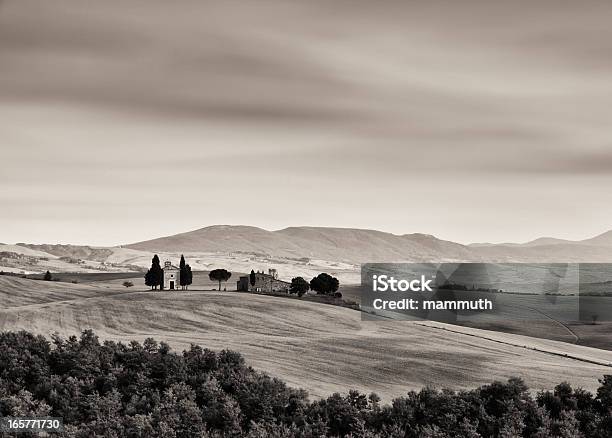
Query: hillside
[(18, 292), (359, 246), (556, 252), (73, 251), (294, 251), (604, 239), (318, 347), (337, 244)]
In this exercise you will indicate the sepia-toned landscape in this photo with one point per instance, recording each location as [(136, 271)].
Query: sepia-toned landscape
[(194, 196), (317, 346)]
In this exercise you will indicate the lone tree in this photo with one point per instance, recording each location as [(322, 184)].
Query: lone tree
[(48, 276), (299, 286), (219, 275), (324, 284), (128, 284), (155, 275), (252, 278)]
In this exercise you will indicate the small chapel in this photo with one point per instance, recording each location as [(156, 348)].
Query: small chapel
[(172, 276)]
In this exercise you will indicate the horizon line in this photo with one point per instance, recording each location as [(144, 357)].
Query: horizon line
[(313, 227)]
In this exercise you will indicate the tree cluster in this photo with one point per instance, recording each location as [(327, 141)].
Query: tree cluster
[(324, 284), (145, 390), (299, 286), (154, 277)]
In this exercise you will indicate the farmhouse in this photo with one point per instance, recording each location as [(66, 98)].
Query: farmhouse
[(172, 276), (263, 283)]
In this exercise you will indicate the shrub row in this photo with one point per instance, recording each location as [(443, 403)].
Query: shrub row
[(145, 390)]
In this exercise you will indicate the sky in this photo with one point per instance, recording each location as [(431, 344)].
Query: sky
[(474, 121)]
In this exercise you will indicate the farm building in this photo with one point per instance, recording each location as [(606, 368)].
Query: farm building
[(263, 283), (172, 276)]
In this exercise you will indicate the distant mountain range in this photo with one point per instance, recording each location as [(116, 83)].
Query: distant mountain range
[(294, 251), (358, 246)]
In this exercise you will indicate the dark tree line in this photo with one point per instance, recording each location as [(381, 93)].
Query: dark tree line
[(139, 390)]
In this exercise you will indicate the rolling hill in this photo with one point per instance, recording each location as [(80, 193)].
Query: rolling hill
[(339, 244), (318, 347), (294, 251), (360, 246), (604, 239)]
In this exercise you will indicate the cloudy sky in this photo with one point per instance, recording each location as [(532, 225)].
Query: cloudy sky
[(473, 121)]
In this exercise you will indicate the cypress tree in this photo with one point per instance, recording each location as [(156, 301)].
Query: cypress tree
[(149, 279), (183, 273), (157, 274), (189, 277)]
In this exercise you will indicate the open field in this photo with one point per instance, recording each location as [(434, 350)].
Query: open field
[(320, 348), (15, 291), (116, 279), (36, 259), (551, 317)]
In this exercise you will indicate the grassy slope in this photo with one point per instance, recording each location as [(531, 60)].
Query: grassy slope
[(317, 347), (15, 291), (553, 317)]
